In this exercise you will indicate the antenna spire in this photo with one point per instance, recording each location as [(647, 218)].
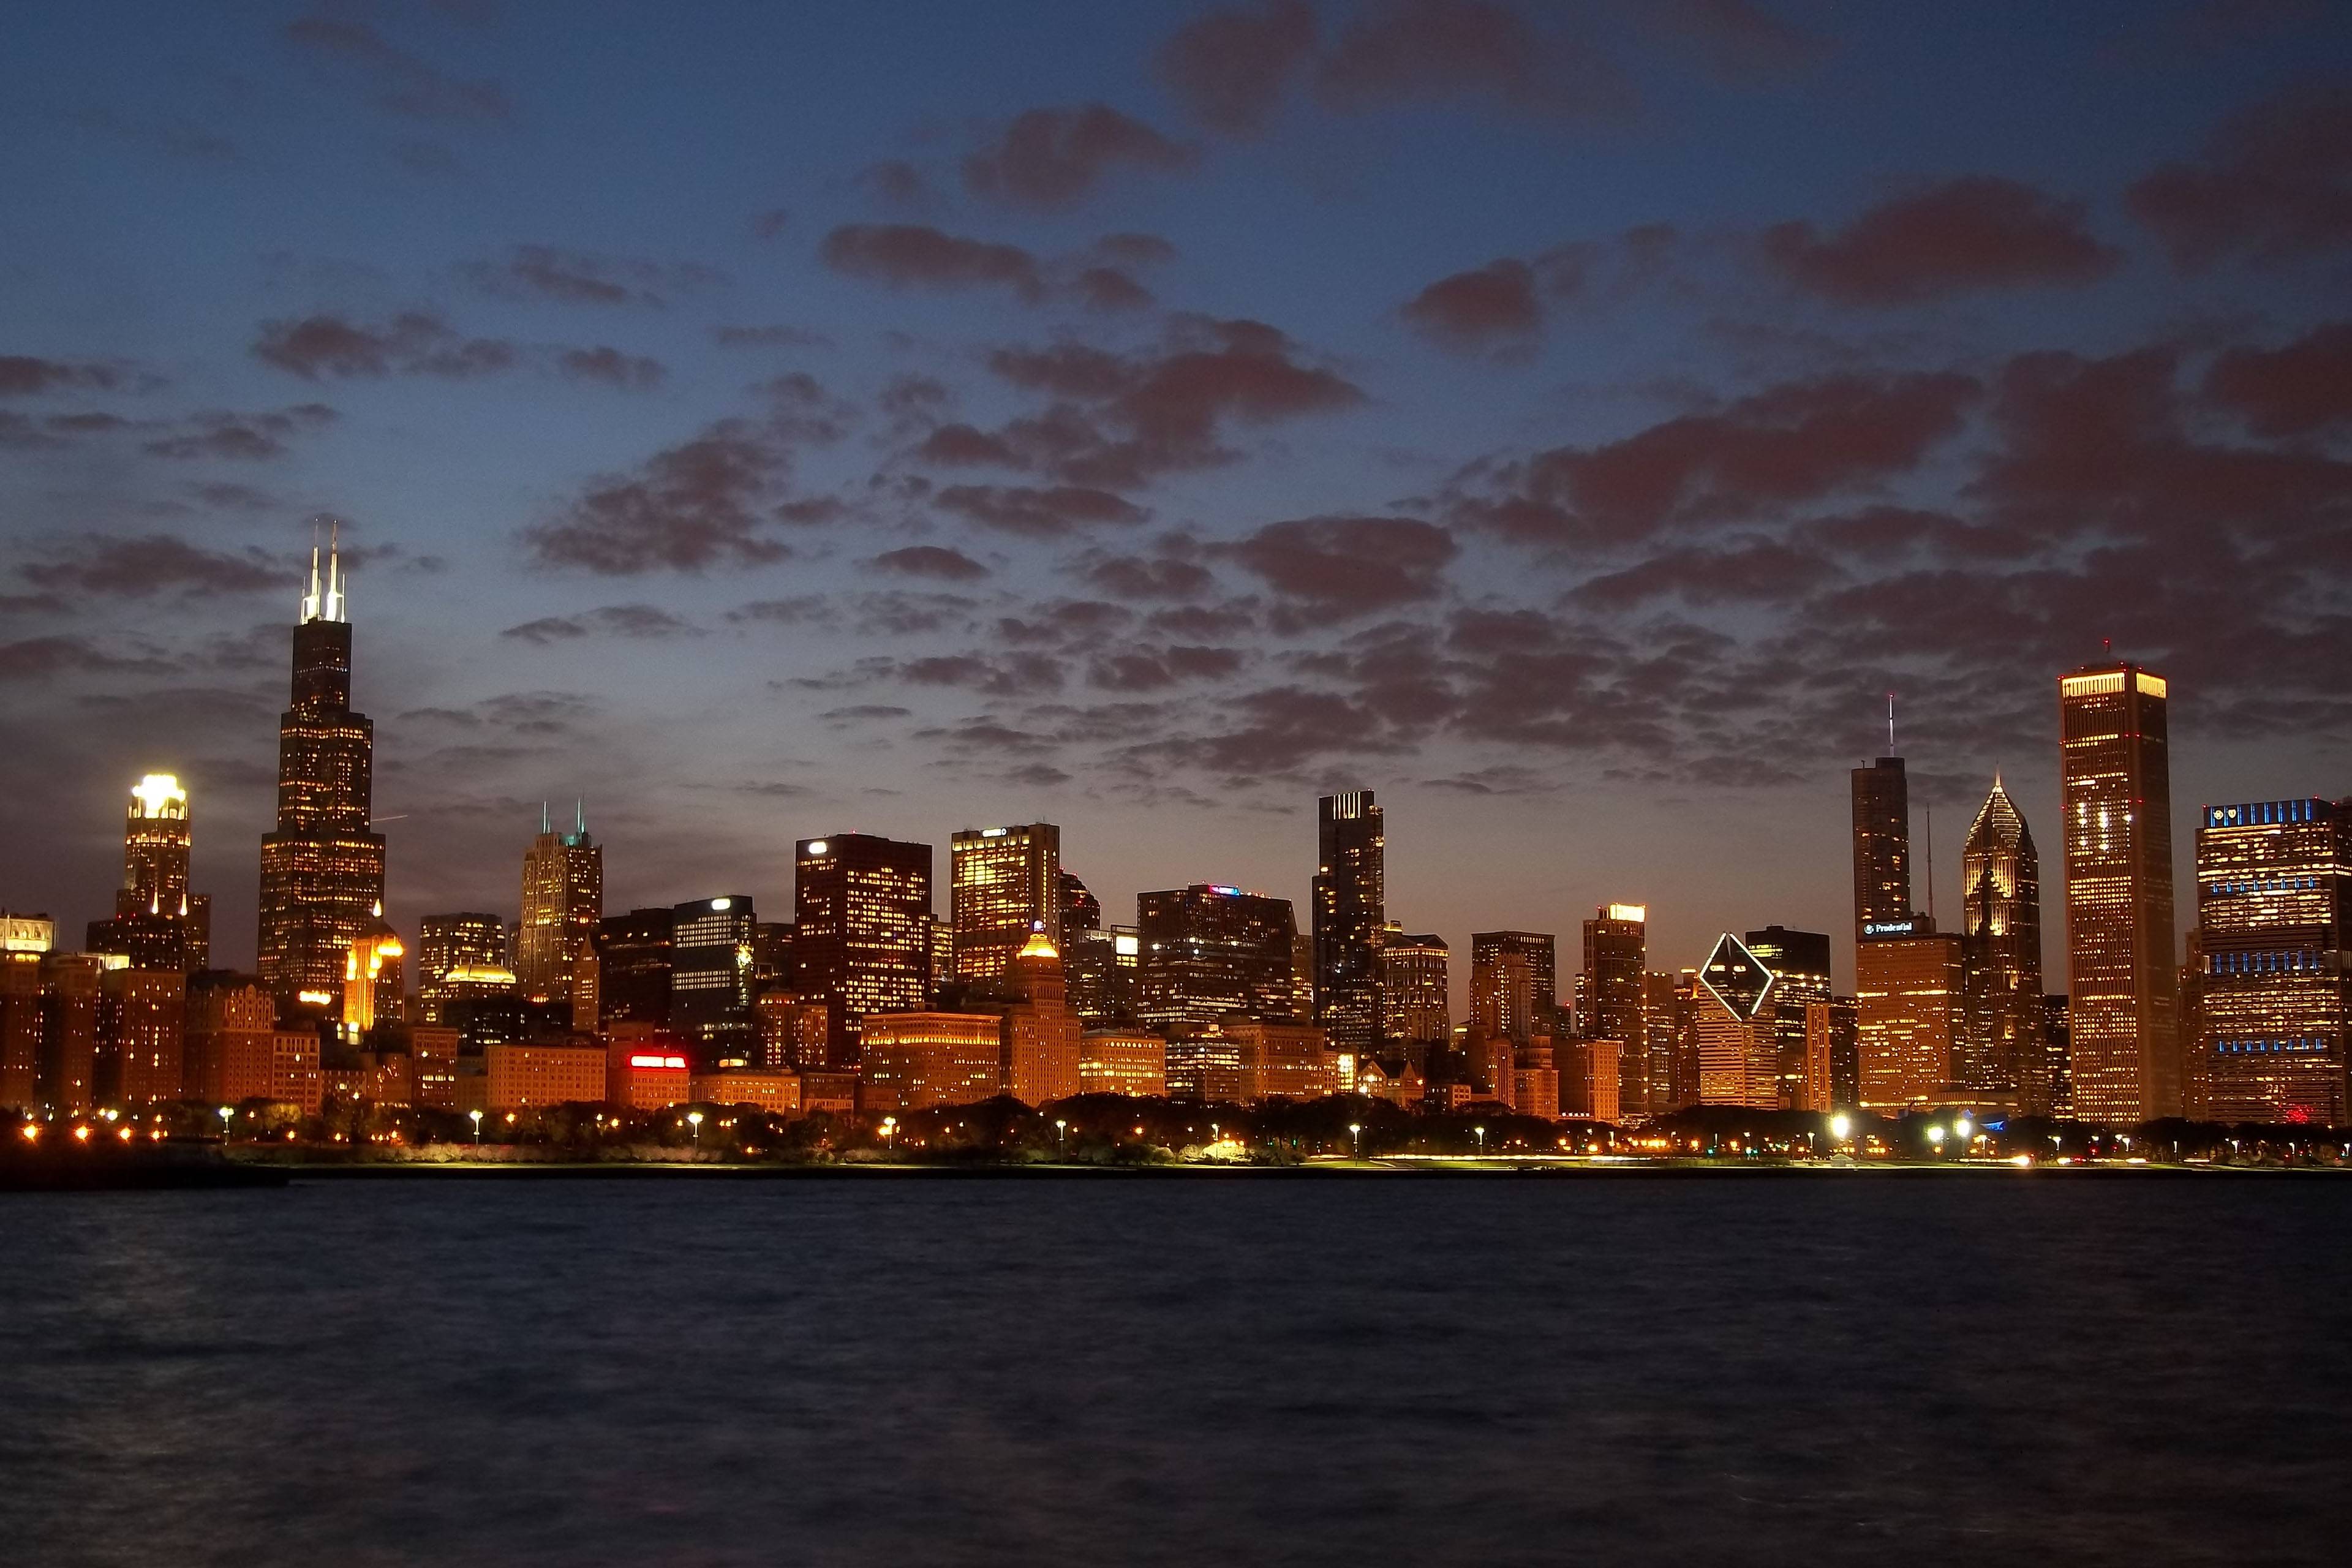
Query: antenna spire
[(542, 817), (579, 816), (1930, 810), (1890, 723)]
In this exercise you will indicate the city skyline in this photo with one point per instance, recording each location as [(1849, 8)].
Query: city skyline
[(1588, 516)]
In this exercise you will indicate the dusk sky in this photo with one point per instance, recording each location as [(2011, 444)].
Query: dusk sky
[(1569, 421)]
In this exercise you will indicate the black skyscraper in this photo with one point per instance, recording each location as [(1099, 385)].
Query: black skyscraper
[(322, 871), (1349, 912)]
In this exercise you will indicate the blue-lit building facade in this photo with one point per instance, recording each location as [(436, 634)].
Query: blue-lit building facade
[(2274, 924)]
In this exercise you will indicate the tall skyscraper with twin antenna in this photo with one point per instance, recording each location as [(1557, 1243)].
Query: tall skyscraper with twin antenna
[(562, 902), (322, 871)]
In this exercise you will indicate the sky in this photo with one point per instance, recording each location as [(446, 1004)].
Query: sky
[(1569, 421)]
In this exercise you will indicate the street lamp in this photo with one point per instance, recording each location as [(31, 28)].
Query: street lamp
[(1935, 1136), (1356, 1137), (1840, 1127), (694, 1119), (1061, 1133), (226, 1113), (477, 1126), (890, 1126), (1482, 1138)]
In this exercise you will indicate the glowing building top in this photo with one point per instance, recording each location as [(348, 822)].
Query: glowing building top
[(329, 604)]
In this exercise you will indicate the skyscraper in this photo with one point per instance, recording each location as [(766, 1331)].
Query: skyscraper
[(1800, 963), (1206, 951), (1416, 1006), (861, 930), (2122, 1053), (711, 986), (470, 943), (1350, 911), (562, 900), (633, 964), (1616, 956), (1003, 885), (2274, 916), (2001, 1010), (1733, 1021), (1907, 1017), (322, 871), (157, 922), (1514, 983), (1882, 844)]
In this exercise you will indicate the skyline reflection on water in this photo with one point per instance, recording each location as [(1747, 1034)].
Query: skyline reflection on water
[(698, 1369)]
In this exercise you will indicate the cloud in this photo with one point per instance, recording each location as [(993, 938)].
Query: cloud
[(1795, 442), (1739, 40), (632, 373), (641, 621), (25, 375), (157, 564), (769, 224), (1040, 513), (1979, 232), (897, 182), (1230, 69), (1493, 307), (398, 82), (915, 255), (687, 507), (1349, 565), (930, 561), (2298, 390), (1049, 159), (416, 343), (38, 658), (1423, 51), (582, 278), (1108, 289), (772, 337), (2274, 183), (242, 437), (1149, 578)]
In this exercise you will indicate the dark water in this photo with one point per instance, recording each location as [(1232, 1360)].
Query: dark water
[(1386, 1370)]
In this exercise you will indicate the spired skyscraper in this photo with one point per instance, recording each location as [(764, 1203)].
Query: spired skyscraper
[(2124, 1053), (2000, 983), (157, 924), (1350, 913), (562, 903), (322, 871), (1881, 847)]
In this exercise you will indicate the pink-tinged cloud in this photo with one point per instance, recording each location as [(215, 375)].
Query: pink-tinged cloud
[(931, 561), (1976, 233), (1349, 565), (2303, 388), (1230, 69), (2274, 183), (1053, 158), (1493, 307), (1421, 51), (915, 255)]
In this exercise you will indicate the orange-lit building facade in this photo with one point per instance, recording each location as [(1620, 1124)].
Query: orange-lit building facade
[(2115, 775), (861, 931), (1907, 998), (1004, 884), (531, 1077), (2274, 935), (912, 1060), (142, 1034), (1733, 1023), (1122, 1061)]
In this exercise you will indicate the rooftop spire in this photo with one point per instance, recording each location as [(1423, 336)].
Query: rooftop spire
[(327, 605)]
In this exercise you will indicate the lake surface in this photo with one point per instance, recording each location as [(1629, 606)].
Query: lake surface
[(710, 1369)]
